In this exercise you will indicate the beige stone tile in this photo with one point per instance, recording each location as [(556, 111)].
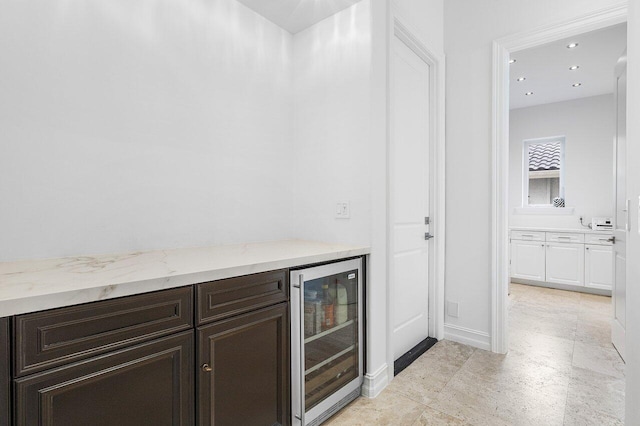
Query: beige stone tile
[(469, 397), (599, 359), (596, 394), (562, 328), (588, 417), (388, 409), (594, 332), (423, 379), (542, 348), (433, 417), (520, 373)]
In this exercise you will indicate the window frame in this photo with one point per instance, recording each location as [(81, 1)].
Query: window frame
[(526, 143)]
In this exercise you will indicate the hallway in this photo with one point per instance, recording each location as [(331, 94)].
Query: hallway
[(561, 370)]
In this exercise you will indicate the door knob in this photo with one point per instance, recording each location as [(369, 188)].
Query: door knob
[(206, 368), (427, 236)]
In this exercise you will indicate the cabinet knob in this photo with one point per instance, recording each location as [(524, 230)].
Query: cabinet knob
[(206, 368)]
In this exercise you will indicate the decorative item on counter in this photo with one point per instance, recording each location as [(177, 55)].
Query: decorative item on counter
[(558, 202)]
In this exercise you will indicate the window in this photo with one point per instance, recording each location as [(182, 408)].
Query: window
[(543, 172)]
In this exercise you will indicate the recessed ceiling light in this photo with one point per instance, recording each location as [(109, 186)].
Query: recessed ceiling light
[(577, 84), (512, 61), (521, 78), (574, 67), (572, 45), (528, 93)]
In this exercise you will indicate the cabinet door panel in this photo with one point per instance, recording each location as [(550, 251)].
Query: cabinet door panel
[(598, 270), (249, 381), (527, 260), (565, 263), (5, 373), (150, 384)]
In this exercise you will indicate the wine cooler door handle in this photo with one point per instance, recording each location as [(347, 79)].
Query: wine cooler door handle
[(300, 287)]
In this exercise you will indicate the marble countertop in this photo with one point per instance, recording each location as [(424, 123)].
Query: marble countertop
[(34, 285), (578, 230)]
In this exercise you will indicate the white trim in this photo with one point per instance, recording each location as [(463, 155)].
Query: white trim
[(603, 18), (437, 181), (374, 383), (467, 336)]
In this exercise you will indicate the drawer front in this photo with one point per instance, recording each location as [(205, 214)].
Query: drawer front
[(598, 239), (50, 338), (527, 235), (233, 296), (565, 237)]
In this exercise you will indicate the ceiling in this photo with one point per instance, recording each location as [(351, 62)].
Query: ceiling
[(546, 68), (297, 15)]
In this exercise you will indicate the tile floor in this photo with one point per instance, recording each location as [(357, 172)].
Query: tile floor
[(561, 369)]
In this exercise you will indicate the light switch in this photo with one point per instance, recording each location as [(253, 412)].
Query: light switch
[(343, 210)]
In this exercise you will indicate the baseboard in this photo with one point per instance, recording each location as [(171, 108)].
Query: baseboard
[(565, 287), (375, 382), (407, 359), (467, 336)]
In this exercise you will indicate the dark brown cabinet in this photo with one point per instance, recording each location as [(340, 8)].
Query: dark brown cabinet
[(5, 373), (244, 370), (139, 360), (148, 384)]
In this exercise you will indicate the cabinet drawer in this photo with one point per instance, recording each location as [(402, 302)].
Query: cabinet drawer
[(598, 239), (565, 237), (527, 235), (233, 296), (50, 338)]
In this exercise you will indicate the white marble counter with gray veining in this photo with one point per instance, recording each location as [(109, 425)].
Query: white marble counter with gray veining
[(34, 285)]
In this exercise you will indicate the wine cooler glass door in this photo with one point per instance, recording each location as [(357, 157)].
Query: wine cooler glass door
[(329, 333)]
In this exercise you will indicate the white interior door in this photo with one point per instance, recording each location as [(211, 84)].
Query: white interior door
[(621, 212), (409, 197)]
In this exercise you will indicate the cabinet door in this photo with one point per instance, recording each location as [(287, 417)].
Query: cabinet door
[(5, 373), (598, 266), (565, 263), (149, 384), (244, 370), (527, 260)]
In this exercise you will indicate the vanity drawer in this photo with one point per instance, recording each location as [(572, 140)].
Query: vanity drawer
[(598, 239), (58, 336), (234, 296), (527, 235), (565, 237)]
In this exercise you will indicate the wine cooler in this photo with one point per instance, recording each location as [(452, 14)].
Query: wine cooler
[(326, 339)]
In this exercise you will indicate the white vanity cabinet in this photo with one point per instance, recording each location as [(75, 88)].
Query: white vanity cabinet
[(598, 266), (565, 263), (528, 258), (577, 259)]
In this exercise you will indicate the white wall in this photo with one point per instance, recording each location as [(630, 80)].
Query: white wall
[(332, 62), (470, 28), (589, 127), (632, 370), (141, 125)]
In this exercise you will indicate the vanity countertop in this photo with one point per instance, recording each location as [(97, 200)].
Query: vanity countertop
[(574, 230), (34, 285)]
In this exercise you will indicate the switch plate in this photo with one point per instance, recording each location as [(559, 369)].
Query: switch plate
[(343, 210)]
